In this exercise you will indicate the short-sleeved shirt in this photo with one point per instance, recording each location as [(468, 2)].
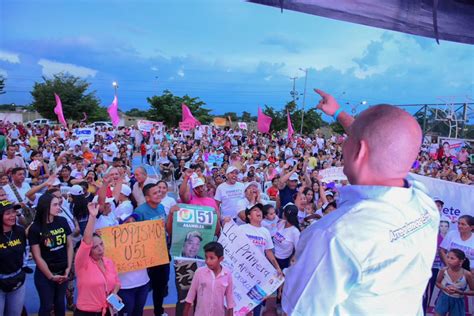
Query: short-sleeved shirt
[(259, 236), (228, 195), (286, 195), (285, 240), (52, 242), (453, 240), (12, 249), (145, 212)]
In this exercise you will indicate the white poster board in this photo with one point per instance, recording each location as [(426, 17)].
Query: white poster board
[(253, 275), (85, 134), (242, 125), (147, 126), (332, 174)]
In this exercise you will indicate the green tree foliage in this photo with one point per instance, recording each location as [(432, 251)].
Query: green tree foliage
[(246, 116), (2, 85), (74, 97), (312, 119), (167, 109), (137, 113), (233, 116)]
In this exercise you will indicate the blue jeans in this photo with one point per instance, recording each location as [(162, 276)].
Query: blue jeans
[(11, 303), (51, 295), (134, 300)]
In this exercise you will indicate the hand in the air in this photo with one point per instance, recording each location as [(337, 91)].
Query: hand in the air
[(327, 104)]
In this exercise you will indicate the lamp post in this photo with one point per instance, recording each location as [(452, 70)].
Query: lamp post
[(115, 84), (304, 97)]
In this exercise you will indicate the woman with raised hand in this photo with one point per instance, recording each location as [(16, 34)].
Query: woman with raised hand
[(96, 275), (52, 249)]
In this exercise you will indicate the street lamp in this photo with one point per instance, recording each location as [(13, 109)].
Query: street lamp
[(115, 84), (304, 96)]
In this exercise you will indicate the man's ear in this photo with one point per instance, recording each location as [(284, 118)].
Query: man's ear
[(362, 152)]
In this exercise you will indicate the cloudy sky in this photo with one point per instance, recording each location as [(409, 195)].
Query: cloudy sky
[(233, 55)]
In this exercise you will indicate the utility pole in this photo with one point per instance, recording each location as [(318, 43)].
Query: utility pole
[(304, 97)]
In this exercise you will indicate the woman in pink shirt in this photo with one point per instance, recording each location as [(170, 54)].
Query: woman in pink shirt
[(96, 275)]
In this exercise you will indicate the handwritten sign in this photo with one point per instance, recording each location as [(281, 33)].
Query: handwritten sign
[(85, 134), (193, 227), (147, 126), (186, 126), (253, 276), (242, 125), (136, 246), (333, 173)]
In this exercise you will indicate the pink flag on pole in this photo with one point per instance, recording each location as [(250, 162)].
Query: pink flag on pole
[(113, 112), (291, 131), (58, 109), (187, 116), (263, 122)]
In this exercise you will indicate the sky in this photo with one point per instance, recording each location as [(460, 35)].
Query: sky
[(234, 55)]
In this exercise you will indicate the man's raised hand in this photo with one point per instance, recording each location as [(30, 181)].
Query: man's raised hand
[(327, 104)]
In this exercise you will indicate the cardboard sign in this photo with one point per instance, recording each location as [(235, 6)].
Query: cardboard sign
[(242, 125), (186, 126), (136, 246), (85, 134), (333, 173), (254, 277), (147, 126), (193, 227)]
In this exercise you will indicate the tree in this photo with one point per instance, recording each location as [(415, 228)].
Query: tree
[(2, 85), (246, 116), (312, 119), (167, 108), (74, 99), (137, 113), (233, 116)]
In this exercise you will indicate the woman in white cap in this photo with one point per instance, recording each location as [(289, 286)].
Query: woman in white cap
[(251, 197)]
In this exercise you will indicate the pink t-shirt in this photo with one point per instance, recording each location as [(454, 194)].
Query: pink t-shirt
[(210, 291), (93, 286), (204, 201)]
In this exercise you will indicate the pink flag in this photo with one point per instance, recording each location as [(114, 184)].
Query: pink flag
[(187, 116), (113, 112), (263, 122), (290, 126), (58, 109)]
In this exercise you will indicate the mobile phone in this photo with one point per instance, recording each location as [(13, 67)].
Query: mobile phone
[(114, 302)]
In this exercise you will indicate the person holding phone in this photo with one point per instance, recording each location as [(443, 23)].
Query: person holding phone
[(51, 245), (97, 276)]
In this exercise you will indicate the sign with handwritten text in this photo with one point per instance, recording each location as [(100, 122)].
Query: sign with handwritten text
[(333, 173), (253, 275), (136, 246)]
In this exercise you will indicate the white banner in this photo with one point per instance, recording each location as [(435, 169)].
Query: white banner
[(147, 126), (242, 125), (332, 174), (452, 146), (253, 276), (458, 198), (85, 134)]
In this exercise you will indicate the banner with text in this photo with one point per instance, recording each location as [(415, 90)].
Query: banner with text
[(253, 276), (457, 197), (136, 246), (332, 174), (147, 126), (186, 126), (85, 134), (193, 227)]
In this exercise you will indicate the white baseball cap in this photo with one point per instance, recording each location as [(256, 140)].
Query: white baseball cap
[(76, 190), (294, 177), (196, 182), (126, 190), (255, 183), (231, 169)]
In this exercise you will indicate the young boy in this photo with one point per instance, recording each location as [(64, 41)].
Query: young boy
[(210, 285)]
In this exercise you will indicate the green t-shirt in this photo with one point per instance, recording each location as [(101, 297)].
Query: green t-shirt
[(3, 142)]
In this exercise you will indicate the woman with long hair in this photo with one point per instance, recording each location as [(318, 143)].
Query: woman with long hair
[(52, 249), (12, 249), (463, 237)]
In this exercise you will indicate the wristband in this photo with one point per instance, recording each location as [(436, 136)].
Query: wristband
[(336, 114)]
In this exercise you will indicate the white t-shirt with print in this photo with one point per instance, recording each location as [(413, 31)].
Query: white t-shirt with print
[(285, 240), (229, 195), (259, 236), (453, 241)]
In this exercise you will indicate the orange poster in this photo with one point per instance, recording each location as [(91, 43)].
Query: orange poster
[(136, 246)]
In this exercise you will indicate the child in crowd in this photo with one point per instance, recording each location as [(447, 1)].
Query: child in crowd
[(270, 219), (210, 285), (453, 281)]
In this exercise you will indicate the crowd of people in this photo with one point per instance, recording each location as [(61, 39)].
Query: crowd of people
[(57, 190)]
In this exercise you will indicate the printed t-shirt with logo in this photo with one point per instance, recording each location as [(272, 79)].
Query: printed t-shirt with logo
[(259, 237), (12, 248), (285, 240), (453, 240), (52, 243), (229, 195)]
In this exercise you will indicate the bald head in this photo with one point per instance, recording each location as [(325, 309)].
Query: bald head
[(393, 140)]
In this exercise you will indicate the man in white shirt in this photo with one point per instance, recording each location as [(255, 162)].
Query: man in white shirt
[(373, 255), (19, 185), (229, 193), (12, 161), (142, 179)]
